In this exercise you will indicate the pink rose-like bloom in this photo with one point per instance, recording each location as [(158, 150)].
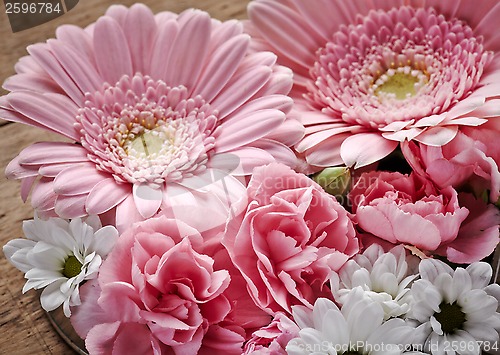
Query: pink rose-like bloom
[(156, 293), (402, 209), (472, 158), (371, 74), (289, 239), (162, 107)]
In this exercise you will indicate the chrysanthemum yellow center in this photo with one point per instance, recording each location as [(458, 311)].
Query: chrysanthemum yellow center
[(72, 267), (451, 317)]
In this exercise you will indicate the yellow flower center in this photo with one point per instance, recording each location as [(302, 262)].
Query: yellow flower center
[(147, 144), (400, 83)]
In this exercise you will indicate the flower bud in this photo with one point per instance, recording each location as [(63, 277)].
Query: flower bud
[(335, 180)]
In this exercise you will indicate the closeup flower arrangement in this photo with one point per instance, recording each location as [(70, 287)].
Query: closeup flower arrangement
[(321, 178)]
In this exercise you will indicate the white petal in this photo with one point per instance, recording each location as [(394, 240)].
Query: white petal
[(52, 297), (480, 273), (104, 240), (430, 268), (15, 251), (303, 317), (335, 328)]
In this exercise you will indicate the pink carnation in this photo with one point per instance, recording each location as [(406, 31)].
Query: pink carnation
[(472, 159), (402, 209), (290, 238), (162, 107), (273, 338), (371, 74), (156, 293)]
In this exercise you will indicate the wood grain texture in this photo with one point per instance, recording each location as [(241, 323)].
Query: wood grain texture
[(24, 327)]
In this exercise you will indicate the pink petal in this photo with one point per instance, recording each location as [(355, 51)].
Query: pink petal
[(223, 33), (53, 170), (250, 158), (42, 196), (465, 106), (31, 82), (316, 138), (82, 72), (365, 148), (79, 40), (161, 49), (229, 135), (26, 185), (489, 109), (140, 30), (327, 153), (289, 133), (278, 102), (135, 336), (239, 89), (127, 214), (281, 153), (14, 170), (390, 223), (221, 67), (437, 136), (286, 31), (308, 117), (189, 50), (100, 339), (43, 56), (281, 82), (57, 113), (52, 153), (105, 195), (78, 180), (9, 114), (322, 16), (488, 23), (71, 206), (479, 234), (404, 135), (118, 12), (28, 64), (467, 121), (111, 50), (147, 200)]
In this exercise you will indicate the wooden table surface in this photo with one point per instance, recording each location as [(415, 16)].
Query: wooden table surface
[(24, 327)]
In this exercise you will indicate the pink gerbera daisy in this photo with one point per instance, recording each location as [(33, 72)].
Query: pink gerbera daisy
[(372, 74), (156, 106)]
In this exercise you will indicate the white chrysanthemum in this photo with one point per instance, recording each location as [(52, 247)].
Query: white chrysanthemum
[(456, 309), (358, 328), (384, 277), (58, 255)]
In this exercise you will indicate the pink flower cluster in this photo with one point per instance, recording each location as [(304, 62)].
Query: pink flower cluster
[(191, 137)]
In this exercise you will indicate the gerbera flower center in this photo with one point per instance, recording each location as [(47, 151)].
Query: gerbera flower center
[(451, 317), (148, 144), (401, 83), (143, 131), (72, 267), (398, 65)]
